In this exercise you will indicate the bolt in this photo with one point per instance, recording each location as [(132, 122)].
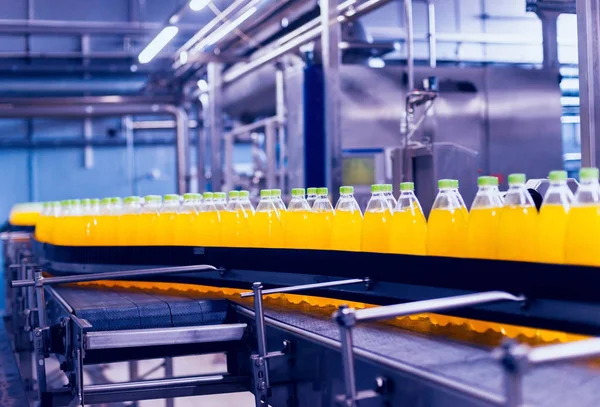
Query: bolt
[(37, 332), (349, 402), (259, 362), (262, 386)]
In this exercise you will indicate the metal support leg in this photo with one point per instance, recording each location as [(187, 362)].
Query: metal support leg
[(513, 358), (270, 142), (260, 364), (345, 318), (38, 334), (169, 374)]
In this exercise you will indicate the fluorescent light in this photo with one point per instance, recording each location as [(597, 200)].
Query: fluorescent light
[(198, 5), (183, 57), (157, 44), (202, 85), (227, 28), (375, 62)]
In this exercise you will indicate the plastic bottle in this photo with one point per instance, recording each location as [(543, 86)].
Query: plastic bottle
[(408, 231), (266, 227), (517, 228), (112, 221), (447, 224), (220, 201), (60, 224), (246, 204), (129, 221), (101, 232), (376, 223), (41, 227), (552, 220), (148, 233), (90, 212), (73, 224), (165, 226), (461, 201), (583, 224), (311, 196), (209, 221), (235, 224), (51, 222), (186, 225), (321, 221), (297, 226), (348, 221), (389, 196), (482, 235)]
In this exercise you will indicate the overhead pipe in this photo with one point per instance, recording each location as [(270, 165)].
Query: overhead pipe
[(84, 27), (87, 110), (349, 14)]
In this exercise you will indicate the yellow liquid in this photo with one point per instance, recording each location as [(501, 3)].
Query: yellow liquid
[(85, 228), (185, 228), (376, 232), (297, 229), (551, 230), (408, 232), (517, 231), (165, 229), (235, 229), (347, 231), (41, 229), (446, 233), (266, 230), (321, 227), (128, 229), (482, 235), (208, 229), (583, 235), (106, 232), (147, 232), (24, 218), (71, 231)]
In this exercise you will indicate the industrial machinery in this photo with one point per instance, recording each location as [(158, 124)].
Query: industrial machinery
[(282, 319)]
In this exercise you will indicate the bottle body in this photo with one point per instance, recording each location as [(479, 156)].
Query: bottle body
[(408, 231), (209, 219), (376, 222), (482, 232), (447, 225), (297, 227), (266, 226), (321, 221), (348, 222), (128, 222)]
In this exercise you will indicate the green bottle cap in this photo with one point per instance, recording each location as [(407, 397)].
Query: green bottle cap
[(132, 200), (65, 203), (191, 196), (75, 202), (115, 201), (485, 181), (105, 201), (346, 190), (311, 191), (234, 194), (558, 175), (244, 194), (265, 193), (171, 198), (95, 201), (454, 183), (376, 188), (219, 195), (208, 195), (588, 174), (407, 186), (322, 191), (516, 179), (388, 188), (298, 192), (276, 192), (152, 199), (445, 183), (86, 202)]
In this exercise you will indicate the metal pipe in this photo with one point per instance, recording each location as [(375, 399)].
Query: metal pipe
[(182, 146), (295, 42), (431, 34), (270, 150), (259, 316), (113, 275), (9, 26), (281, 114), (410, 62), (247, 128), (201, 150), (215, 121), (438, 304), (566, 351), (306, 287), (348, 363), (127, 123)]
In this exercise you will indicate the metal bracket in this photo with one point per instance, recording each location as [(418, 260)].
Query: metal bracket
[(347, 318)]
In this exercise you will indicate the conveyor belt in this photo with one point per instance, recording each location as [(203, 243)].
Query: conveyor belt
[(118, 309), (562, 385), (12, 390)]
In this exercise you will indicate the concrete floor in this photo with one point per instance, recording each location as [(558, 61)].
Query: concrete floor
[(182, 366)]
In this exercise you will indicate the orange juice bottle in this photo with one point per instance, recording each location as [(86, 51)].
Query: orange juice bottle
[(321, 221), (279, 205), (112, 222), (376, 223), (388, 192), (583, 224), (148, 233), (297, 227), (408, 231), (347, 224), (129, 221), (266, 227), (90, 209), (101, 231), (185, 222), (311, 196), (517, 226), (235, 222), (165, 223), (482, 234), (447, 224), (552, 220), (74, 224), (41, 227), (209, 222), (55, 213)]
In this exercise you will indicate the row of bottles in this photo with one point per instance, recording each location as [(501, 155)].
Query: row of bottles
[(496, 227)]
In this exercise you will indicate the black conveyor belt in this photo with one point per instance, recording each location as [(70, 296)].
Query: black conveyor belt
[(12, 390), (568, 384), (117, 309)]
